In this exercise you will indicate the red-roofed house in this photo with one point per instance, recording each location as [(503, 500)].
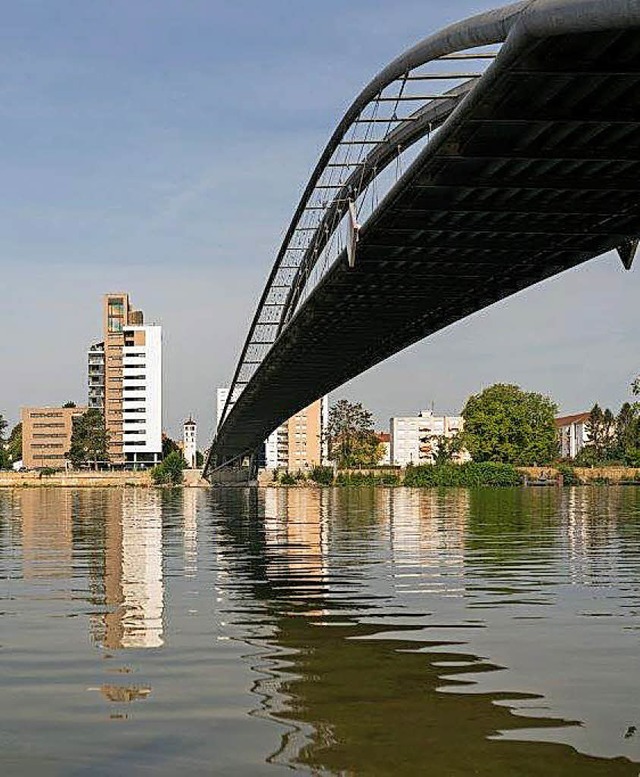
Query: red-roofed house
[(572, 434)]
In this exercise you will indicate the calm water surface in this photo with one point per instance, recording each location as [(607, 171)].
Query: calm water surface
[(337, 631)]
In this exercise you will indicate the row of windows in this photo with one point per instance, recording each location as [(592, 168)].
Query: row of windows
[(46, 415), (52, 425), (41, 456), (46, 445), (48, 435), (135, 388)]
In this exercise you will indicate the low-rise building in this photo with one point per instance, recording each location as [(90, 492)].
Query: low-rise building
[(46, 435), (572, 434), (414, 439)]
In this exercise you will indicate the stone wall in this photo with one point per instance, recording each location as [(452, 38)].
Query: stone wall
[(74, 479)]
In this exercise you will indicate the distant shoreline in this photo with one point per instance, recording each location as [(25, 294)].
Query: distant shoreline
[(535, 477)]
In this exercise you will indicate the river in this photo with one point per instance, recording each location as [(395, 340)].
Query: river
[(333, 631)]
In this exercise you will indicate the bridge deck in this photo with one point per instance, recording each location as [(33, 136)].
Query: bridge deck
[(537, 171)]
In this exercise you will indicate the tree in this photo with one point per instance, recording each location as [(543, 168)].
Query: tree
[(506, 424), (351, 438), (445, 448), (169, 471), (14, 443), (169, 446), (635, 386), (69, 404), (601, 430), (89, 439), (5, 462)]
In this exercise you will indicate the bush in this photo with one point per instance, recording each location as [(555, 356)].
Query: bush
[(46, 471), (287, 479), (169, 472), (469, 474), (367, 479), (322, 475), (569, 477)]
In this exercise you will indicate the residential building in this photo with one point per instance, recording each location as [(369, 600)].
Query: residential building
[(125, 383), (189, 442), (296, 445), (414, 439), (46, 435), (572, 434), (221, 400)]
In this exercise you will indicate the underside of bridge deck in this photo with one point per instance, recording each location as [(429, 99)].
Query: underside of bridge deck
[(537, 171)]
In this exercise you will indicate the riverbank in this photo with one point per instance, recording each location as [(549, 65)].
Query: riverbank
[(420, 477)]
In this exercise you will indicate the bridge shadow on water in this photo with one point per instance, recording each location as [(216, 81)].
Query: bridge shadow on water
[(344, 666)]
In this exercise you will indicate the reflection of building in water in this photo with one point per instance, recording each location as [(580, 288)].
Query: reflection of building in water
[(190, 536), (293, 521), (591, 517), (47, 539), (134, 589), (427, 530)]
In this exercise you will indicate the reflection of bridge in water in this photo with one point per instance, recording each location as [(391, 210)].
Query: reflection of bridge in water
[(494, 154), (359, 683)]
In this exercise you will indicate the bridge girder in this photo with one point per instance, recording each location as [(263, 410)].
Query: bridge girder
[(534, 170)]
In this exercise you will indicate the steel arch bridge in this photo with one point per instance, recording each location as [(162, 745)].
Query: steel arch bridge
[(495, 153)]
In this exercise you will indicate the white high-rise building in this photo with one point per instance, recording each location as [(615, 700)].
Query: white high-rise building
[(414, 439), (125, 383), (189, 442), (221, 399), (142, 394)]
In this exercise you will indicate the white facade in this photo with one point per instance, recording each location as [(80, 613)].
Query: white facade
[(189, 442), (142, 395), (221, 399), (572, 434), (271, 449), (414, 438)]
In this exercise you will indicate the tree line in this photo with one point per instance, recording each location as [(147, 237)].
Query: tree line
[(503, 424)]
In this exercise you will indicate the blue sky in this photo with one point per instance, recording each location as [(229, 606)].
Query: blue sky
[(161, 146)]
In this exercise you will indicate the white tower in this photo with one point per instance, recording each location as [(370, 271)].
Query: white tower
[(189, 440)]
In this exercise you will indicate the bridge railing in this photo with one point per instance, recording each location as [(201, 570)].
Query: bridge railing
[(386, 127)]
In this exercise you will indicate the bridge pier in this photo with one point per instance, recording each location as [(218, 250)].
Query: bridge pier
[(240, 472)]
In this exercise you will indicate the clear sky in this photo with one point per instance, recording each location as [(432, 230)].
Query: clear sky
[(160, 146)]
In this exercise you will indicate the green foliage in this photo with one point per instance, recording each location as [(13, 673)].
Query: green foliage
[(199, 459), (69, 404), (322, 475), (367, 479), (611, 440), (89, 439), (469, 474), (569, 477), (507, 425), (169, 471), (446, 448), (351, 437), (46, 471), (288, 479), (169, 446), (14, 443)]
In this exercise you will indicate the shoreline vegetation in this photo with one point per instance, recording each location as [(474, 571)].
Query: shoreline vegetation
[(468, 475)]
